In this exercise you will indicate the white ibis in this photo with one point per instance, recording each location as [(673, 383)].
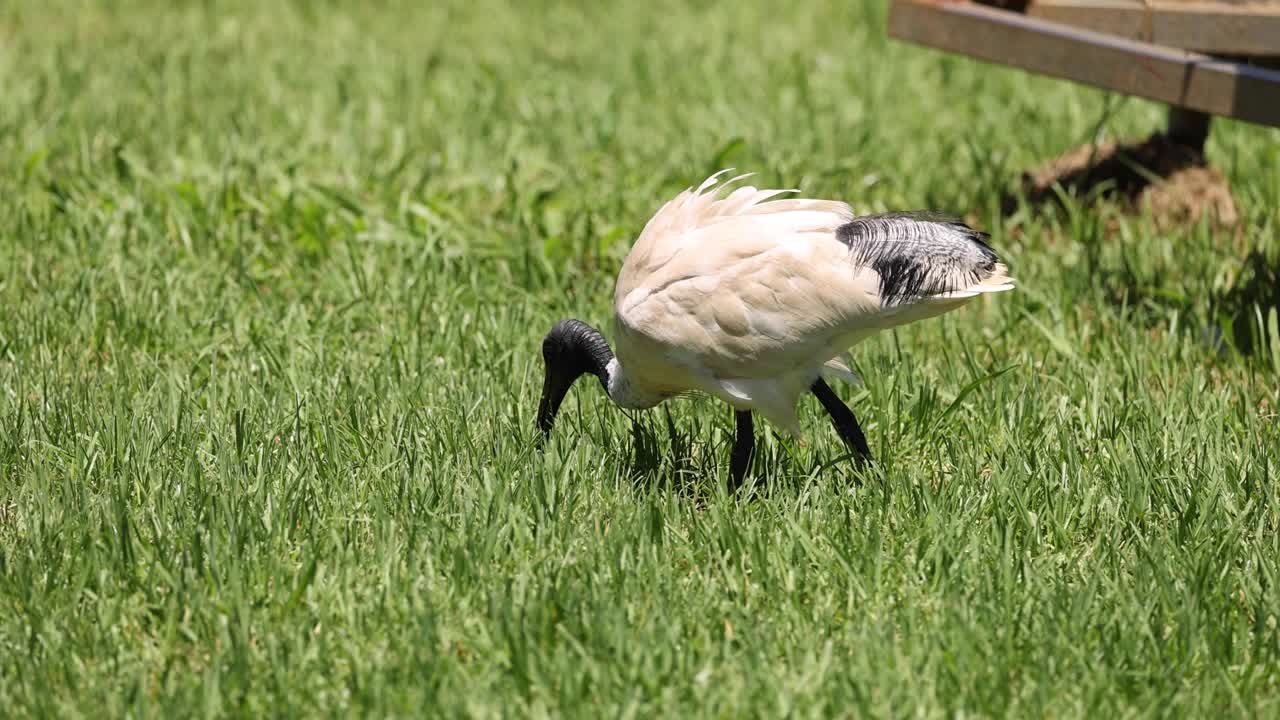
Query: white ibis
[(752, 299)]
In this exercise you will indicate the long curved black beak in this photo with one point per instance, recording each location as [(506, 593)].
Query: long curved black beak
[(555, 385)]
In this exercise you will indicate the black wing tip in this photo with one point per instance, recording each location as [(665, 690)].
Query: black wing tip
[(851, 229), (905, 274)]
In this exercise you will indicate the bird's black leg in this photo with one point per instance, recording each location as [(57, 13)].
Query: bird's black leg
[(743, 448), (842, 417)]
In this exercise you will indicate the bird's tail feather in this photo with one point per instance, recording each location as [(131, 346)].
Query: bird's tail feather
[(997, 281), (838, 368)]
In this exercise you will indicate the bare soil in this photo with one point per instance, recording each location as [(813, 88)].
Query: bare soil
[(1170, 180)]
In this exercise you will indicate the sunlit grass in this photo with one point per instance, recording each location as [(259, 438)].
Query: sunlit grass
[(274, 277)]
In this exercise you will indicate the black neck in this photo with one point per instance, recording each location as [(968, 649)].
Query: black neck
[(572, 349), (579, 349)]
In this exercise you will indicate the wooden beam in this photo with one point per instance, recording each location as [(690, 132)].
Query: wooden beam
[(1177, 77), (1253, 3), (1115, 17), (1211, 27)]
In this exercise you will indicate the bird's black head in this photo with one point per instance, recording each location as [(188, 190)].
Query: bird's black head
[(571, 350)]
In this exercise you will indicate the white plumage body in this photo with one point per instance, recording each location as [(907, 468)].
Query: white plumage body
[(750, 298)]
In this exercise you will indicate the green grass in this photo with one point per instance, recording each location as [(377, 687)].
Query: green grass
[(273, 279)]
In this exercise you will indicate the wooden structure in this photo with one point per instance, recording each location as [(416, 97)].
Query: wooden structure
[(1216, 28), (1155, 50)]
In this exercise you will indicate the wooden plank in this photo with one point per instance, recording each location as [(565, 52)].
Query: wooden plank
[(1211, 27), (1177, 77), (1125, 18), (1236, 3)]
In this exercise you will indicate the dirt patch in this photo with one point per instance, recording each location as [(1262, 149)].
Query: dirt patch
[(1170, 180)]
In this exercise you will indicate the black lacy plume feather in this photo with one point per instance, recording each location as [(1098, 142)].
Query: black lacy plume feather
[(917, 254)]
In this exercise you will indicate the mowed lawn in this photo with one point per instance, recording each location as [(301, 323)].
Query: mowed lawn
[(273, 279)]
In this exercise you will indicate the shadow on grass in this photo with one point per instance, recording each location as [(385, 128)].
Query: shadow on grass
[(694, 463), (1238, 309), (1236, 317), (674, 468), (1171, 180), (1178, 188)]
